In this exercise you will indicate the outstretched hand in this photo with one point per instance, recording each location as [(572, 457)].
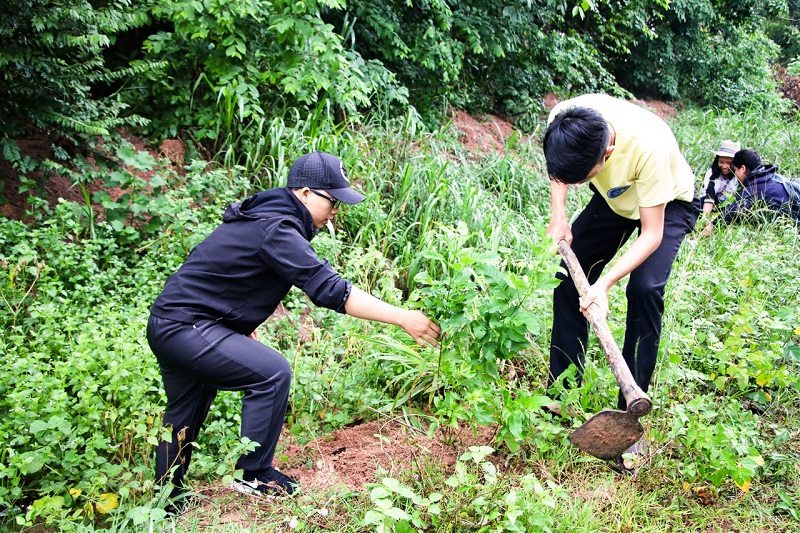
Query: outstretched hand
[(421, 328)]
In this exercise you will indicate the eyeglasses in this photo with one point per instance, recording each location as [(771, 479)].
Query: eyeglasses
[(334, 202)]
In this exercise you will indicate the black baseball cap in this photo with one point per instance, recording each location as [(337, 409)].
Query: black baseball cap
[(319, 170)]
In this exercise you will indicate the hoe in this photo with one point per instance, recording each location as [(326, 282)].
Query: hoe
[(609, 433)]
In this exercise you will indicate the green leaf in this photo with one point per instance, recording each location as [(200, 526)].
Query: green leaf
[(397, 487), (379, 493), (39, 426), (397, 514)]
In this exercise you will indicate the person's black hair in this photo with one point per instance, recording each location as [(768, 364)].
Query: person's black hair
[(747, 158), (574, 143)]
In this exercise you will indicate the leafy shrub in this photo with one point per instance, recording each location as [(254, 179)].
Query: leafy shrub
[(52, 66), (258, 58), (482, 55), (723, 442), (706, 53), (486, 306), (68, 418), (477, 494), (81, 400)]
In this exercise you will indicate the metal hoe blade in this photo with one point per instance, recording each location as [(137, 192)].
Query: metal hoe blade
[(608, 434)]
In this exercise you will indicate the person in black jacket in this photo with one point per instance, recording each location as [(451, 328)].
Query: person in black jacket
[(202, 327), (762, 192)]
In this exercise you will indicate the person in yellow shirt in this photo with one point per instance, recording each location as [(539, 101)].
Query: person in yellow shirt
[(641, 183)]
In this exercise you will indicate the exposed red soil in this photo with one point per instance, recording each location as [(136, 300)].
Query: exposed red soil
[(788, 85), (342, 463), (489, 133), (38, 149), (483, 134), (351, 458), (170, 154)]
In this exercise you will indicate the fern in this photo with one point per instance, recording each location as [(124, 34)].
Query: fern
[(51, 56)]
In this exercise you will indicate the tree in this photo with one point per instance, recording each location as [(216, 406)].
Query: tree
[(51, 62), (713, 52)]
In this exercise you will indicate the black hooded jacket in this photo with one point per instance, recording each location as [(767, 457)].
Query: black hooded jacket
[(240, 273)]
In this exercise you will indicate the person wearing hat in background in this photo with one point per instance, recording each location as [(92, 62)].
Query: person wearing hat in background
[(720, 183), (763, 195), (202, 327)]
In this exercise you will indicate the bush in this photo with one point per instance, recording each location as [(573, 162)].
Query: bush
[(53, 75), (709, 54), (257, 58)]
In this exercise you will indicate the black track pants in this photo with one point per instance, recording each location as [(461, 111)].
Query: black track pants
[(598, 234), (196, 361)]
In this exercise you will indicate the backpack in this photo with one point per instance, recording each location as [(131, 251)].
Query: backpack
[(792, 187)]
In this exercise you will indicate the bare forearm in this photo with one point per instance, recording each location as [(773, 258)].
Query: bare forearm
[(558, 200), (558, 228), (363, 305)]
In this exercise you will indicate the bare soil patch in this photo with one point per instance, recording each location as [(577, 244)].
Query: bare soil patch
[(51, 187), (352, 457), (342, 463), (483, 134)]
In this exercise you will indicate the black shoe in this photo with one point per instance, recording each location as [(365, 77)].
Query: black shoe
[(269, 482), (177, 509), (553, 409)]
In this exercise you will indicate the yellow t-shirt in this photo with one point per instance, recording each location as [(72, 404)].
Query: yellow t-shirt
[(646, 167)]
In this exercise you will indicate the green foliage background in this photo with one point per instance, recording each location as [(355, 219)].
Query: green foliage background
[(251, 85), (172, 68)]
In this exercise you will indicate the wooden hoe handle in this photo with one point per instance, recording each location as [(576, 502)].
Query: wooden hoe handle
[(639, 404)]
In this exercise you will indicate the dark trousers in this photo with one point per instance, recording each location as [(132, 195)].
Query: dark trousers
[(598, 234), (196, 361)]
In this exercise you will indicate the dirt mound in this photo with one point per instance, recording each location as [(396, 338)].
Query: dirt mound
[(344, 462), (789, 85), (352, 457), (37, 148), (483, 134), (662, 109), (51, 187)]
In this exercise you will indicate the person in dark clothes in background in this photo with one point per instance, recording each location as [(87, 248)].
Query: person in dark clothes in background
[(720, 183), (763, 193), (202, 327)]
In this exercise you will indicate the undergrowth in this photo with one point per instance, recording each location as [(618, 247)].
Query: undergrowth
[(462, 237)]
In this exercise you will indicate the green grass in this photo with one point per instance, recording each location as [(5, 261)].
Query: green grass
[(462, 236)]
